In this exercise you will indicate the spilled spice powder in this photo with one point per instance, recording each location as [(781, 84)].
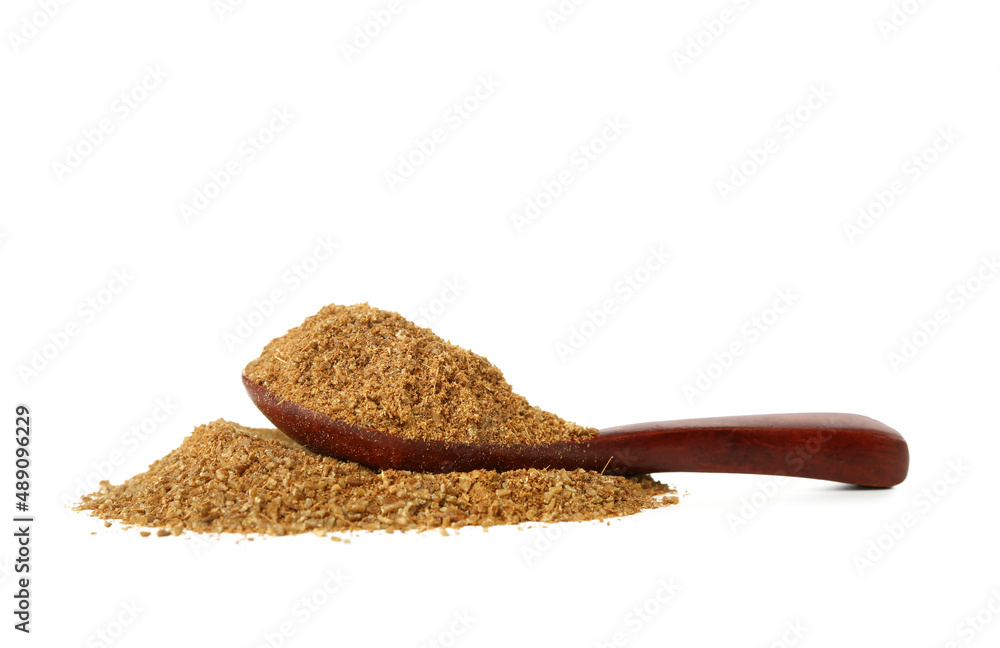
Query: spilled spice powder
[(226, 478), (375, 368)]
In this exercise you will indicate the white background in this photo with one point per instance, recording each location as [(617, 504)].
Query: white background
[(744, 564)]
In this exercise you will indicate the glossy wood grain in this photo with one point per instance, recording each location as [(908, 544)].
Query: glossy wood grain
[(844, 448)]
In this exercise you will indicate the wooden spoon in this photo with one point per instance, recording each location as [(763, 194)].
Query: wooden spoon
[(844, 448)]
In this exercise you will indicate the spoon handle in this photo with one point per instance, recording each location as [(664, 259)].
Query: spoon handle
[(846, 448)]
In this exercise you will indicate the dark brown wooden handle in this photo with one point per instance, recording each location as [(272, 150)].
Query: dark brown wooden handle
[(844, 448)]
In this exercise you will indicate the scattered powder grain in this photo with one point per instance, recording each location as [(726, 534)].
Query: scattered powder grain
[(228, 478), (375, 368)]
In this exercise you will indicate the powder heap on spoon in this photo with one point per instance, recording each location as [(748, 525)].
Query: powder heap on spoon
[(375, 368)]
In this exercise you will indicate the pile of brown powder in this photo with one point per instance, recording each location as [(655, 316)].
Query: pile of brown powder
[(228, 478), (375, 368)]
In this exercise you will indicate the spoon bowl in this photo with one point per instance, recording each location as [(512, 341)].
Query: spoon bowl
[(846, 448)]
